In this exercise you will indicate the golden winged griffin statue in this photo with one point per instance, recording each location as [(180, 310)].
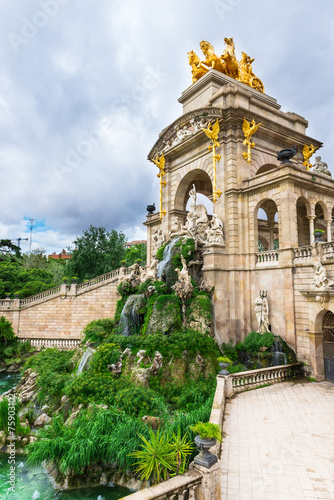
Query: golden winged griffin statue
[(227, 63)]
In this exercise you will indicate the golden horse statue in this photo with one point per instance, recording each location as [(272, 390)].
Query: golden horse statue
[(198, 68), (211, 59), (228, 57), (246, 74), (227, 64)]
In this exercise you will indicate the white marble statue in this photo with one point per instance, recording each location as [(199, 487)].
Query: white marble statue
[(183, 287), (320, 280), (261, 310), (158, 240), (197, 219), (215, 231), (176, 228), (152, 268), (321, 166)]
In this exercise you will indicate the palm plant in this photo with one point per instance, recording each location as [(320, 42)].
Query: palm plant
[(156, 459), (163, 456)]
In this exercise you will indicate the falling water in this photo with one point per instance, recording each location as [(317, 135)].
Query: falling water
[(278, 356), (88, 354), (129, 322), (166, 256)]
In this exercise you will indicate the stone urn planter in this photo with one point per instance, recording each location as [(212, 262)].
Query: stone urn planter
[(318, 234), (205, 457), (208, 434)]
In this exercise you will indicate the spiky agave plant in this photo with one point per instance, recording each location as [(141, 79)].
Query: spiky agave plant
[(156, 459)]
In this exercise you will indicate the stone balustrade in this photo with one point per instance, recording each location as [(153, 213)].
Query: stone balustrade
[(39, 296), (302, 254), (328, 251), (100, 279), (243, 381), (63, 290), (177, 488), (6, 304), (269, 258), (62, 344)]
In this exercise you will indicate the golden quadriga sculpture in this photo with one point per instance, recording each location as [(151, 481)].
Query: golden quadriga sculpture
[(227, 63)]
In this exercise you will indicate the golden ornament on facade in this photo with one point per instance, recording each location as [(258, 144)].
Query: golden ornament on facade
[(212, 132), (308, 151), (249, 129), (227, 63), (160, 163)]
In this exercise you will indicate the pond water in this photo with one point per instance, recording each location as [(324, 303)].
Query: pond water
[(32, 483), (8, 380)]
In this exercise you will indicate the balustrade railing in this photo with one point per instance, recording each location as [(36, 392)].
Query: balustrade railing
[(328, 249), (177, 488), (100, 279), (39, 296), (59, 343), (267, 258), (6, 304), (302, 254), (239, 382), (53, 292)]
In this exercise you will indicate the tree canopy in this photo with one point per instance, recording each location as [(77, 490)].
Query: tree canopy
[(9, 251), (96, 252)]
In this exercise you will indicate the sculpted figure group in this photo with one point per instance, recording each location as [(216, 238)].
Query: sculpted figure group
[(197, 225), (227, 63)]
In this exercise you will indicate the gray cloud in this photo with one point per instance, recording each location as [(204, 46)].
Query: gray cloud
[(85, 91)]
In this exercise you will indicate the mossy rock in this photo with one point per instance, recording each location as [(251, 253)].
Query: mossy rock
[(166, 316), (199, 314), (175, 372)]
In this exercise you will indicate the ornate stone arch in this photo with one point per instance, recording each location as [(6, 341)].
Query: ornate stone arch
[(261, 159), (303, 210), (323, 205), (270, 207), (198, 174)]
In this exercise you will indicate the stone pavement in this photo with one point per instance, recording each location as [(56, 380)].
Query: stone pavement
[(279, 443)]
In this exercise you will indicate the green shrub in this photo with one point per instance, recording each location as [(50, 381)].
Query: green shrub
[(10, 420), (136, 400), (98, 330), (105, 355), (207, 430), (160, 253), (254, 341), (53, 368), (7, 334), (187, 249)]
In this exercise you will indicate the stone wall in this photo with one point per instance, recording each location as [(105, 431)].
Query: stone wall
[(64, 314)]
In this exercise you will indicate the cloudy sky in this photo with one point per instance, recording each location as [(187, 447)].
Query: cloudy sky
[(86, 86)]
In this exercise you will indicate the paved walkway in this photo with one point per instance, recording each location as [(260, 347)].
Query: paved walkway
[(279, 443)]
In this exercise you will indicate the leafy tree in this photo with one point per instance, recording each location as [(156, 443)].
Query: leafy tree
[(136, 253), (8, 251), (7, 334), (35, 259), (14, 278), (97, 251)]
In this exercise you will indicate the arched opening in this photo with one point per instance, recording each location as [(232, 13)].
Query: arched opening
[(303, 223), (266, 168), (202, 200), (319, 221), (203, 186), (328, 331), (267, 226)]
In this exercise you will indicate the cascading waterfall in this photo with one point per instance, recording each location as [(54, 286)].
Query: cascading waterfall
[(88, 354), (166, 256), (278, 356), (129, 322)]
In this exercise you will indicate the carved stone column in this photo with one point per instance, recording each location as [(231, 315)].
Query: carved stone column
[(311, 220), (329, 229)]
